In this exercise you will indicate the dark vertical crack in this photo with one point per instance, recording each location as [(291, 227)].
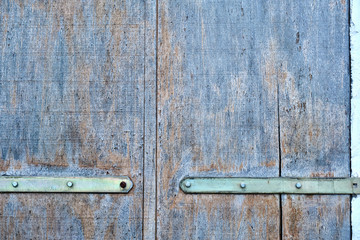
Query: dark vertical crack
[(279, 149), (350, 166)]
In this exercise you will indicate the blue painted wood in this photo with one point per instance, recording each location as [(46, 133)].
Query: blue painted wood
[(218, 117), (311, 61), (72, 104), (252, 88), (244, 88)]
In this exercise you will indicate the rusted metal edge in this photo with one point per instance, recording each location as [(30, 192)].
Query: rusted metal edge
[(121, 184), (279, 185)]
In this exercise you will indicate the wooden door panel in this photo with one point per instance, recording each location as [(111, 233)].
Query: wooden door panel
[(314, 97), (231, 75), (72, 104), (244, 88), (217, 116)]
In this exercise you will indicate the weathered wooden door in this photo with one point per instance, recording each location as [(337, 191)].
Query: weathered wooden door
[(73, 82), (162, 89), (256, 89)]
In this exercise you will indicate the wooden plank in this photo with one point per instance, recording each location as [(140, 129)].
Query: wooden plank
[(150, 121), (314, 93), (72, 104), (217, 116)]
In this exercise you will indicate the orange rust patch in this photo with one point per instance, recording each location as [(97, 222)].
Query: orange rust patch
[(59, 160), (299, 211), (292, 216), (271, 163), (322, 174), (4, 164)]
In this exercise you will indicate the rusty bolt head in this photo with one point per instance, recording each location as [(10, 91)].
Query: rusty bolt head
[(14, 184), (123, 184), (242, 185), (187, 184), (69, 184), (298, 185)]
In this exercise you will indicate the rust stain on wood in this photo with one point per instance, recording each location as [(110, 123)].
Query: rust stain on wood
[(308, 216), (72, 104), (209, 111), (313, 120)]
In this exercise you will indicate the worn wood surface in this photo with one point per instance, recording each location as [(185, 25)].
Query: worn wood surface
[(217, 106), (311, 61), (150, 121), (72, 103), (223, 67), (158, 90)]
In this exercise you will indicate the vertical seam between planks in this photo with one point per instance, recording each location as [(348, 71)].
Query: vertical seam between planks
[(350, 166), (278, 116), (279, 153), (144, 121), (350, 78), (156, 111)]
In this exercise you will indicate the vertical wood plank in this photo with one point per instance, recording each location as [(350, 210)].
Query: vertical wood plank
[(217, 116), (72, 103), (149, 224), (314, 93)]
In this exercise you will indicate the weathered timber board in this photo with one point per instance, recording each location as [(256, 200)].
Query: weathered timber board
[(150, 121), (72, 103), (311, 62), (217, 116)]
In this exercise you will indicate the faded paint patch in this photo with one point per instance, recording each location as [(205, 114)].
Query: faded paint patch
[(307, 216)]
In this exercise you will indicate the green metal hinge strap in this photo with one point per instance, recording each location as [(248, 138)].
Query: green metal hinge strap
[(276, 185), (120, 184)]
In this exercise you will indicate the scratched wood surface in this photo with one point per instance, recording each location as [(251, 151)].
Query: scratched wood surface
[(150, 122), (311, 61), (72, 103), (227, 70), (245, 88), (217, 116)]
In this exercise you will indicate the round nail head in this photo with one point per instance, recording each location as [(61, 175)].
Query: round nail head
[(123, 184), (14, 184), (242, 185), (187, 184), (298, 185), (69, 184)]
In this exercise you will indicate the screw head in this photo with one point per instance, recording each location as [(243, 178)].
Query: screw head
[(123, 184), (15, 184), (187, 184), (69, 184), (242, 185), (298, 185)]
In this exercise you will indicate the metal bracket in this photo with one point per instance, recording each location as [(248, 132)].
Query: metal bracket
[(121, 184), (277, 185)]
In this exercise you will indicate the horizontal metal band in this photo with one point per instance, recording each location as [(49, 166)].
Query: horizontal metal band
[(120, 184), (271, 185)]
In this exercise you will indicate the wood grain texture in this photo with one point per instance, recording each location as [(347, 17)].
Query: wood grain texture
[(150, 121), (69, 216), (78, 97), (72, 103), (312, 58), (217, 116)]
